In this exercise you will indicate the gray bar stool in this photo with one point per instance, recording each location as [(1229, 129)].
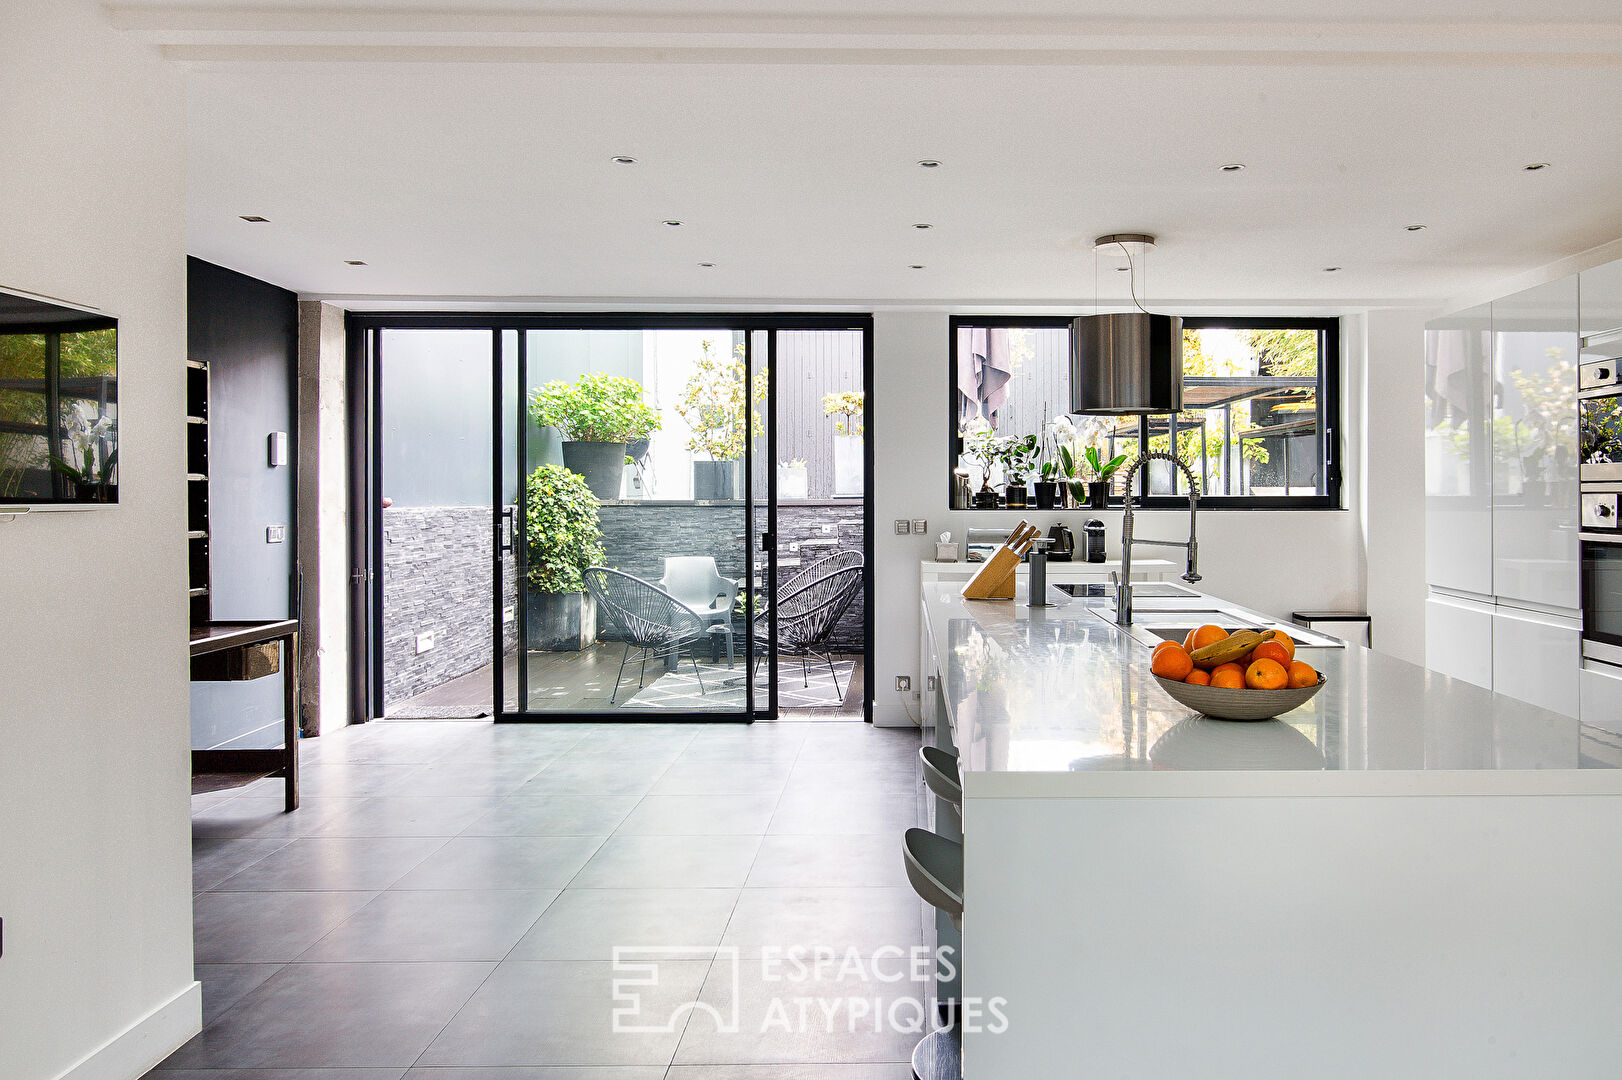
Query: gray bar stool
[(941, 775), (935, 869)]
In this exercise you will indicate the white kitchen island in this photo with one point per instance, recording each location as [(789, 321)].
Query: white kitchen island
[(1408, 877)]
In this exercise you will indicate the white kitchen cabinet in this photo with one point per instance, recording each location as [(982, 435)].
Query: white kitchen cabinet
[(1459, 638), (1458, 452), (1599, 695), (1600, 298), (1535, 506), (1536, 658)]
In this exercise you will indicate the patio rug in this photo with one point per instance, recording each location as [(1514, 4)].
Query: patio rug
[(679, 690), (436, 712)]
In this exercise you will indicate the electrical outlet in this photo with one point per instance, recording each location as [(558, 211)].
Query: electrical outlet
[(508, 614), (903, 683), (829, 530), (275, 534), (920, 525), (425, 642), (902, 526), (929, 683)]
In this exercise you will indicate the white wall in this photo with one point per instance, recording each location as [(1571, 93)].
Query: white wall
[(95, 858), (1275, 561)]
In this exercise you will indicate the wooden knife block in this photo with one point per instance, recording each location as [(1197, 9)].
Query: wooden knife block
[(995, 580)]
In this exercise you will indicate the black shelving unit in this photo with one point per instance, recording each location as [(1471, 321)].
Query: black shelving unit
[(197, 539)]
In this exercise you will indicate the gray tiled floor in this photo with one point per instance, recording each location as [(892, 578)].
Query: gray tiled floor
[(446, 903)]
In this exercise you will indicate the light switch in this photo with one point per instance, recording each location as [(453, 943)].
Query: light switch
[(277, 449), (920, 525), (275, 534), (902, 526)]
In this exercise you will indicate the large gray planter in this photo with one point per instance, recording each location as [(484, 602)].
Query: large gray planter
[(715, 481), (559, 622), (601, 464)]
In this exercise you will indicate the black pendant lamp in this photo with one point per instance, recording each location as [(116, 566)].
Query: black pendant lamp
[(1126, 362)]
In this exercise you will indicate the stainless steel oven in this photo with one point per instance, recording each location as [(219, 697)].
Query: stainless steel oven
[(1599, 421), (1602, 580)]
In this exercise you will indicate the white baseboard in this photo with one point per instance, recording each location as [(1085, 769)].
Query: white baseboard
[(891, 714), (134, 1051)]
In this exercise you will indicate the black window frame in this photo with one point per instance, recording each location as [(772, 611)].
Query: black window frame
[(1329, 408)]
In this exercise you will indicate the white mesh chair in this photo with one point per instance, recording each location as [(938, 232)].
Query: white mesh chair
[(650, 619), (694, 580)]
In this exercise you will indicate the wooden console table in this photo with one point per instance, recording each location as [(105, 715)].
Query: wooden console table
[(221, 637)]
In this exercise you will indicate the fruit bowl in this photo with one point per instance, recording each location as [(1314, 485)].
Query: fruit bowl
[(1230, 703)]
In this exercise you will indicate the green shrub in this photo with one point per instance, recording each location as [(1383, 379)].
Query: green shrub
[(562, 533), (597, 408)]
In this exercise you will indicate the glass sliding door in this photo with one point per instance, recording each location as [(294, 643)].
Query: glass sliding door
[(629, 452)]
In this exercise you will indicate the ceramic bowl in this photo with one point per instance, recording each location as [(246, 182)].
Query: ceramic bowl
[(1226, 703)]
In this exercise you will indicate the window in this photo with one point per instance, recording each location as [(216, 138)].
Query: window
[(1259, 427)]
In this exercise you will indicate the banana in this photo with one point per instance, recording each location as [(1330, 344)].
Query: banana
[(1229, 649)]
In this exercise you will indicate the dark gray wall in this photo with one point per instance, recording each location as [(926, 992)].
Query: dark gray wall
[(247, 331)]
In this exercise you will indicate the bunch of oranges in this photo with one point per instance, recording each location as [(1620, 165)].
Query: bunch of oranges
[(1271, 665)]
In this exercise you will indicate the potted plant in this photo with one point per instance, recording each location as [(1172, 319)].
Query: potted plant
[(793, 480), (981, 452), (562, 538), (95, 458), (849, 433), (1019, 456), (1102, 472), (1050, 489), (597, 416), (715, 405)]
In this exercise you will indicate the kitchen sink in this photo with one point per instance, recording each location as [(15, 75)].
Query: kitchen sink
[(1140, 591), (1152, 627)]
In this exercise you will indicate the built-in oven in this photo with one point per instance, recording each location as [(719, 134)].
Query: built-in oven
[(1599, 421), (1601, 560)]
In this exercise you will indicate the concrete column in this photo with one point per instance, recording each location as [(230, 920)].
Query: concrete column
[(323, 514)]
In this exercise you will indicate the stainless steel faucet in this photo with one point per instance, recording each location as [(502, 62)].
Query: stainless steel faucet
[(1123, 585)]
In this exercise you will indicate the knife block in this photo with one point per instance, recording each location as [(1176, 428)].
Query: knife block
[(995, 579)]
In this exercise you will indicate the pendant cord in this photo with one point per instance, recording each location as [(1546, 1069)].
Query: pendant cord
[(1132, 271)]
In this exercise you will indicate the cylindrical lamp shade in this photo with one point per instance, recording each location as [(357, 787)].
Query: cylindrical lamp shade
[(1129, 362)]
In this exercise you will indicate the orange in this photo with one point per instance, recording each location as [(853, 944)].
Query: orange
[(1287, 641), (1201, 636), (1172, 663), (1302, 675), (1199, 677), (1231, 676), (1166, 645), (1270, 650), (1266, 675)]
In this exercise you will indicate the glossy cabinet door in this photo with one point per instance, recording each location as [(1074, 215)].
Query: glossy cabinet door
[(1599, 696), (1458, 452), (1534, 447), (1600, 302), (1537, 658), (1458, 638)]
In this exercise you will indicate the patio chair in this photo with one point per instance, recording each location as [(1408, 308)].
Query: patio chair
[(694, 581), (806, 617), (821, 568), (652, 620)]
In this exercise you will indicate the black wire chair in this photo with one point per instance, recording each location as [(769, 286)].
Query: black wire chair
[(652, 620), (821, 568), (806, 615)]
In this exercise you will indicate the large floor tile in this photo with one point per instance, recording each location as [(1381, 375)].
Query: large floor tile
[(562, 1013), (539, 1072), (356, 781), (773, 1017), (863, 776), (796, 861), (706, 777), (554, 815), (344, 863), (265, 817), (434, 925), (407, 815), (700, 815), (266, 927), (845, 812), (461, 777), (596, 774), (840, 743), (214, 860), (861, 921), (588, 924), (893, 1070), (335, 1016), (226, 984), (700, 862), (278, 1074), (503, 862)]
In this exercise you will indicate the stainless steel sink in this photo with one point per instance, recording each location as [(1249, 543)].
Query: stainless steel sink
[(1152, 627), (1140, 591)]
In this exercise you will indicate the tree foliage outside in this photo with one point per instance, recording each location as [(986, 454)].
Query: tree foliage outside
[(597, 408), (84, 429), (561, 530), (714, 401)]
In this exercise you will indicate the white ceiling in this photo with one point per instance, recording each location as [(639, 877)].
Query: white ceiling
[(469, 154)]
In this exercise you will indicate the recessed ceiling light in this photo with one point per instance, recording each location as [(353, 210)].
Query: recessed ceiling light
[(1536, 166), (255, 218), (621, 159), (1416, 228), (707, 266), (1331, 269), (929, 163), (1233, 166), (917, 266), (673, 223), (923, 225), (353, 262)]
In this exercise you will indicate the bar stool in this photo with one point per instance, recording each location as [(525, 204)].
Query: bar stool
[(941, 775), (935, 869)]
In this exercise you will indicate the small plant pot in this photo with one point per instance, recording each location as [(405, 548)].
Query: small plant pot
[(1049, 495), (1098, 495), (560, 622), (715, 481), (985, 500), (1017, 496)]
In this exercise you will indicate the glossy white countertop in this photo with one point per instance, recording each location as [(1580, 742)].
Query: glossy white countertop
[(1059, 702)]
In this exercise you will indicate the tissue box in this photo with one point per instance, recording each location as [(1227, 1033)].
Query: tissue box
[(946, 553)]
